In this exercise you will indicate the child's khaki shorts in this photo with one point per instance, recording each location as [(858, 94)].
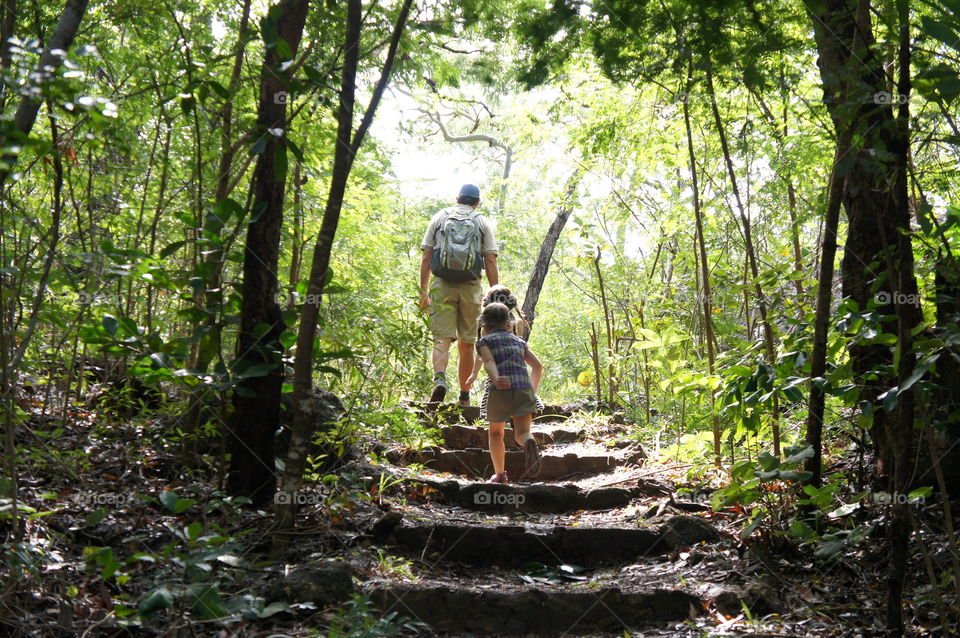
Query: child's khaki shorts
[(455, 309), (504, 404)]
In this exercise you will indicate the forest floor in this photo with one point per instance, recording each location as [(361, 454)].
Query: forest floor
[(119, 540)]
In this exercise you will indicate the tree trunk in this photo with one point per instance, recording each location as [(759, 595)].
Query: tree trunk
[(704, 266), (210, 298), (8, 24), (542, 265), (256, 399), (345, 152), (52, 57), (821, 322), (751, 255), (878, 258)]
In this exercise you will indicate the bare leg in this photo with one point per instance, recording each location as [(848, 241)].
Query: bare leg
[(521, 428), (441, 354), (531, 453), (465, 367), (497, 450)]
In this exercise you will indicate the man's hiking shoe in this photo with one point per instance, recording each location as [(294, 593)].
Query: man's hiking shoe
[(439, 391), (464, 401), (531, 459), (499, 478)]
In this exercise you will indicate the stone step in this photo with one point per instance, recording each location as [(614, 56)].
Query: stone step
[(534, 611), (461, 437), (452, 413), (555, 462), (519, 497), (478, 544)]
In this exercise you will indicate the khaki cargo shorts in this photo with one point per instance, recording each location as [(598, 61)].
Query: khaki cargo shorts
[(455, 309)]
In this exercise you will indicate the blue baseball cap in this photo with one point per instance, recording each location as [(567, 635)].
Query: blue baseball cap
[(470, 190)]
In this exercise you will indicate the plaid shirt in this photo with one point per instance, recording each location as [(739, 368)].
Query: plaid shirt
[(508, 351)]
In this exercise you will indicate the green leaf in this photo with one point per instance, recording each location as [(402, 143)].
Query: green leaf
[(219, 89), (941, 31), (297, 153), (797, 454), (256, 370), (919, 371), (194, 530), (158, 599), (273, 608), (205, 601), (110, 324), (889, 399), (283, 49), (172, 248), (169, 500), (93, 518), (287, 338)]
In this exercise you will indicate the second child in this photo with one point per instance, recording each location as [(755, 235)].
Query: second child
[(505, 358)]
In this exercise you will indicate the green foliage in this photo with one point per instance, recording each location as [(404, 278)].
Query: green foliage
[(359, 619), (761, 485)]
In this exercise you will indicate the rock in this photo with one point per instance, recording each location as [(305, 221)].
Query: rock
[(684, 531), (758, 597), (323, 584), (476, 462), (535, 611), (652, 488), (516, 545), (386, 523)]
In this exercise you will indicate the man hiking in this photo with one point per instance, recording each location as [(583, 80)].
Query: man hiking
[(458, 245)]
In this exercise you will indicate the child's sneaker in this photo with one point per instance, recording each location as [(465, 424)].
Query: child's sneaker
[(499, 478), (531, 459)]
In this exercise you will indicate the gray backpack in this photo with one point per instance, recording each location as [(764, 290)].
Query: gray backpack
[(456, 252)]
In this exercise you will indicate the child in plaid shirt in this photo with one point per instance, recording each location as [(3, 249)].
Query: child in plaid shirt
[(499, 294), (505, 358)]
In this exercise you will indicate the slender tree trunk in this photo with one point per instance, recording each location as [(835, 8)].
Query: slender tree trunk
[(608, 327), (542, 265), (256, 399), (297, 241), (751, 255), (707, 304), (344, 154), (8, 25), (52, 57), (821, 322)]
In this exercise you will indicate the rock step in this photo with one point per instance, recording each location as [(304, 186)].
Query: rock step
[(475, 462), (534, 611), (451, 413), (538, 497), (461, 437), (518, 545)]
